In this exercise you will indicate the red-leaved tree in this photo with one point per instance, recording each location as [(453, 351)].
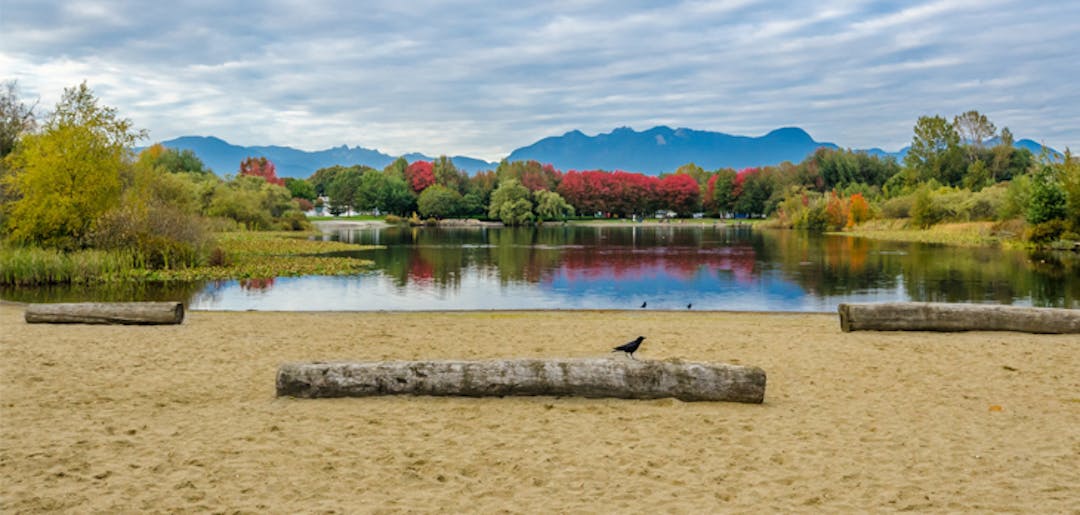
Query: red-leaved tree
[(679, 193), (261, 167), (420, 175)]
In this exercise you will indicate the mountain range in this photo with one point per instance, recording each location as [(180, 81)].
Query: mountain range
[(654, 151)]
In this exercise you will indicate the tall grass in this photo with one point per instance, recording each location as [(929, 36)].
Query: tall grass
[(27, 266)]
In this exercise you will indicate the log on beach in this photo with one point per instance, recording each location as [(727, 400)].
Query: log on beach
[(597, 377), (926, 316), (126, 313)]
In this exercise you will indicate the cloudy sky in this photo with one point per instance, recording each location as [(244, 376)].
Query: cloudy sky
[(481, 77)]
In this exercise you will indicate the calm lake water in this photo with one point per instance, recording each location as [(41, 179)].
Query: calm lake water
[(719, 267)]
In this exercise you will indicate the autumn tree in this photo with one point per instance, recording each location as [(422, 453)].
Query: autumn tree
[(419, 175), (65, 177), (679, 193), (261, 167), (719, 192)]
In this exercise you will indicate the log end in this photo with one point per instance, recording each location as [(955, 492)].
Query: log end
[(845, 317)]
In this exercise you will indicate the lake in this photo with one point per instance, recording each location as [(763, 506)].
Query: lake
[(666, 267)]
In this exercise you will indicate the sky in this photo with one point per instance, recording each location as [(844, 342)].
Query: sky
[(481, 78)]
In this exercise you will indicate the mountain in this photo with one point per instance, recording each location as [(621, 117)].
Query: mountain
[(224, 158), (663, 149), (657, 150)]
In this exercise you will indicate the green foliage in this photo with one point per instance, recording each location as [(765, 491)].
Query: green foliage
[(65, 177), (344, 191), (551, 206), (898, 207), (171, 160), (925, 210), (1045, 231), (977, 177), (516, 212), (935, 151), (29, 266), (438, 201), (1069, 177), (510, 203), (300, 188), (1048, 200)]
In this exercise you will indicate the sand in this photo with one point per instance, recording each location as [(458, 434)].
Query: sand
[(184, 418)]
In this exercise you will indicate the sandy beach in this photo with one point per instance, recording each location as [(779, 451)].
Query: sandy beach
[(116, 419)]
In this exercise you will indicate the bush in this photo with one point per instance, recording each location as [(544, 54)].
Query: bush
[(1046, 231), (159, 236), (898, 207), (394, 219), (294, 221)]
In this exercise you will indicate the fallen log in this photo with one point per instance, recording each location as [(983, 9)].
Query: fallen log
[(926, 316), (620, 378), (127, 313)]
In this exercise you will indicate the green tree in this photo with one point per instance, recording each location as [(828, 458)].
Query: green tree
[(448, 175), (65, 177), (171, 160), (300, 188), (510, 203), (935, 151), (551, 206), (1048, 200), (438, 201), (397, 168), (344, 191), (396, 197)]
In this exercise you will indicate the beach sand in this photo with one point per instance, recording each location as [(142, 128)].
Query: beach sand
[(184, 418)]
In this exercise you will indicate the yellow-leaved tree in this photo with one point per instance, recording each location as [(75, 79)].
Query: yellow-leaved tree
[(65, 176)]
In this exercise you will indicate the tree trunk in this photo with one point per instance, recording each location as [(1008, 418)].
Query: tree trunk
[(128, 313), (622, 378), (924, 316)]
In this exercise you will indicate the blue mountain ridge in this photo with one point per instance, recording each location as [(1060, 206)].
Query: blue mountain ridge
[(654, 151)]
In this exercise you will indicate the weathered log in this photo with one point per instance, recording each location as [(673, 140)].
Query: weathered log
[(128, 313), (621, 378), (925, 316)]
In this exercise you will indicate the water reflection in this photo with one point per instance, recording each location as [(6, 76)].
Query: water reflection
[(574, 267), (713, 267)]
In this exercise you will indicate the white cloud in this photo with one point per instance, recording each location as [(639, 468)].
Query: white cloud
[(481, 78)]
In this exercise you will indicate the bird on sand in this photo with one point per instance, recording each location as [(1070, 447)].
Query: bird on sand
[(643, 304), (630, 347), (688, 306)]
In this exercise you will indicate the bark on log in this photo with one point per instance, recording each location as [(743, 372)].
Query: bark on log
[(619, 378), (128, 313), (924, 316)]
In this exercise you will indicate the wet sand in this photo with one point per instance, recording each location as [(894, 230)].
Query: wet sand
[(184, 418)]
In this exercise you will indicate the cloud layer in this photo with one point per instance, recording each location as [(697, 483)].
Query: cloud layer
[(480, 78)]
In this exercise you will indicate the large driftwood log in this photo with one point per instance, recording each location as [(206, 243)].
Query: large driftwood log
[(608, 377), (128, 313), (924, 316)]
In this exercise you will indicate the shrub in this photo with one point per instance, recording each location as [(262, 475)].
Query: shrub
[(294, 221), (1045, 232), (898, 207), (394, 219), (159, 236)]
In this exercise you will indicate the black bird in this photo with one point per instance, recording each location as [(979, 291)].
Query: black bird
[(630, 347), (643, 304), (688, 305)]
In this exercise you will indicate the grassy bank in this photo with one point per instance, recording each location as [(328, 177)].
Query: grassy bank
[(968, 234), (238, 255)]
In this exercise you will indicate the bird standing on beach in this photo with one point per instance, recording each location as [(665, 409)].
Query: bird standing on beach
[(630, 347)]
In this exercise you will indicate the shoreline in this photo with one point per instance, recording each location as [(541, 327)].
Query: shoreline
[(184, 418)]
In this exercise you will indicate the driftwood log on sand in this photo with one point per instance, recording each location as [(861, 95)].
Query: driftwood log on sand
[(621, 378), (925, 316), (127, 313)]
